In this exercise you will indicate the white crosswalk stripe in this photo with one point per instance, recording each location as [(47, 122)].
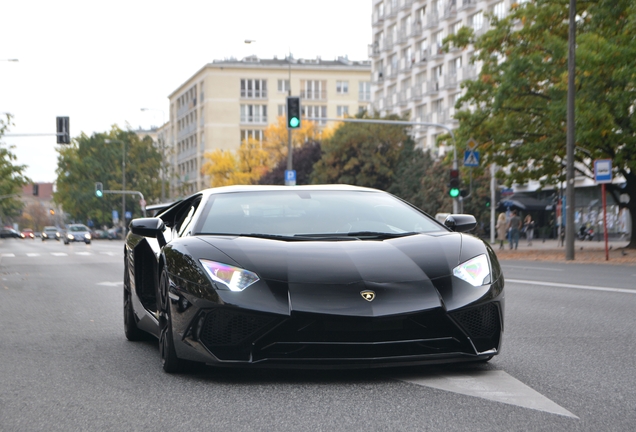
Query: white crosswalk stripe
[(83, 253), (59, 254), (8, 255), (33, 255)]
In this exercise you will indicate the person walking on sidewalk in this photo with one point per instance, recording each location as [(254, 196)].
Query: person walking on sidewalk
[(528, 228), (502, 229), (514, 226)]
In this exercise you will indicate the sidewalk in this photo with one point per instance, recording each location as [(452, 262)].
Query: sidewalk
[(584, 251)]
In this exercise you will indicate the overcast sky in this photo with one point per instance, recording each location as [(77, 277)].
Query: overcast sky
[(100, 62)]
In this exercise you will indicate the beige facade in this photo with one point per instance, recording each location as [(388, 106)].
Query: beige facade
[(227, 101), (411, 74)]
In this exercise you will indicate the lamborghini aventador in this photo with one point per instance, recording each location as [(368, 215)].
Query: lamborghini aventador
[(310, 276)]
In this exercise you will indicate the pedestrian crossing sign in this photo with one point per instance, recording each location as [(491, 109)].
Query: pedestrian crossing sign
[(471, 158)]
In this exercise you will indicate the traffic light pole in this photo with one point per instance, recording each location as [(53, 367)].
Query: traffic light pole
[(409, 123)]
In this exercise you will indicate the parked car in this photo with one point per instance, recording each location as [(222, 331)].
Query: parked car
[(77, 233), (50, 233), (27, 233), (7, 232)]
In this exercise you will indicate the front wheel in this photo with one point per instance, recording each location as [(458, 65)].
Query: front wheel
[(169, 360)]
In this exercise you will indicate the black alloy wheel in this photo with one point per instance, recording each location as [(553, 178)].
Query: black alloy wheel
[(131, 330), (169, 360)]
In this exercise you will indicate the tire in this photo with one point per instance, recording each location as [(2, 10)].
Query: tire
[(169, 360), (131, 330)]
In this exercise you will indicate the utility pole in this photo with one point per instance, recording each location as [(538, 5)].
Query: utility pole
[(571, 137)]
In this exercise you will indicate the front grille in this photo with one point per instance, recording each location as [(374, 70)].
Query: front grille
[(227, 327), (482, 324)]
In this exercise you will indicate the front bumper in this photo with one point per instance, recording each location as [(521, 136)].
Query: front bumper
[(230, 336)]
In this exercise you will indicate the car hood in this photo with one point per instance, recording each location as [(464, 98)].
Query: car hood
[(329, 276)]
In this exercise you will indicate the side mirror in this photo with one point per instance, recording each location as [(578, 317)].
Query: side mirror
[(149, 227), (460, 222)]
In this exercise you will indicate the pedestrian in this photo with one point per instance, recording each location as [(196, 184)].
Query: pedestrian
[(502, 229), (528, 228), (514, 225)]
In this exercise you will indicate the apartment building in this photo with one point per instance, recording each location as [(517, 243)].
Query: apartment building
[(410, 73), (228, 101)]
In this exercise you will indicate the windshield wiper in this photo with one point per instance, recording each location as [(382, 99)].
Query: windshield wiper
[(362, 235)]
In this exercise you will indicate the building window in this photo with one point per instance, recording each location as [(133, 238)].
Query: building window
[(342, 87), (315, 113), (476, 21), (254, 134), (253, 88), (455, 65), (342, 110), (499, 10), (283, 86), (313, 89), (253, 113), (282, 110), (364, 91), (439, 37)]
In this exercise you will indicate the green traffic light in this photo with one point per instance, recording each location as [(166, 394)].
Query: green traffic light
[(99, 194), (454, 192), (294, 122)]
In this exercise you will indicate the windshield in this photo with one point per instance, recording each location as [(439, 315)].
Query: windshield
[(77, 228), (311, 213)]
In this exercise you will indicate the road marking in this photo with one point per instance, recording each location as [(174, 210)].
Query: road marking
[(8, 255), (59, 254), (83, 253), (109, 253), (532, 268), (33, 254), (581, 287), (494, 385), (109, 283)]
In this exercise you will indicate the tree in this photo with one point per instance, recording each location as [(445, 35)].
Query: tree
[(361, 154), (12, 177), (303, 157), (276, 140), (246, 166), (35, 216), (91, 159), (421, 180), (516, 109)]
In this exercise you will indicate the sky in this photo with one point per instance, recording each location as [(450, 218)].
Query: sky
[(99, 63)]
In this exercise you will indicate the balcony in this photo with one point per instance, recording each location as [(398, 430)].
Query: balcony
[(402, 97), (481, 30), (468, 73), (436, 51), (449, 81), (432, 19), (388, 43), (392, 71), (432, 87), (406, 4), (467, 4), (313, 94), (402, 36), (378, 19), (379, 75), (416, 92), (451, 115), (374, 49), (416, 29), (450, 10)]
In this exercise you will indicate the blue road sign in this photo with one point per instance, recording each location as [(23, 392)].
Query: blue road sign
[(603, 171), (471, 158), (290, 177)]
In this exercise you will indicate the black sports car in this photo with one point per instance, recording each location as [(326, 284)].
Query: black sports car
[(310, 276)]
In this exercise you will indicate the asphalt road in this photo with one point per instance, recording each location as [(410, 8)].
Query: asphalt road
[(65, 365)]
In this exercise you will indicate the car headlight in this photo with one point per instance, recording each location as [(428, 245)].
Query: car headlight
[(475, 271), (44, 235), (69, 236), (230, 277), (87, 236)]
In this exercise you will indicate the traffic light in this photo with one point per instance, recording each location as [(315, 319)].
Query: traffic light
[(99, 190), (454, 183), (52, 212), (63, 132), (293, 112)]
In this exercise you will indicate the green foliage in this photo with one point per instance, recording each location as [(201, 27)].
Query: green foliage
[(516, 109), (91, 159), (12, 176), (421, 180), (361, 154)]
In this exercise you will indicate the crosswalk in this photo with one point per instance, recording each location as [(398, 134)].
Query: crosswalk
[(56, 254)]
